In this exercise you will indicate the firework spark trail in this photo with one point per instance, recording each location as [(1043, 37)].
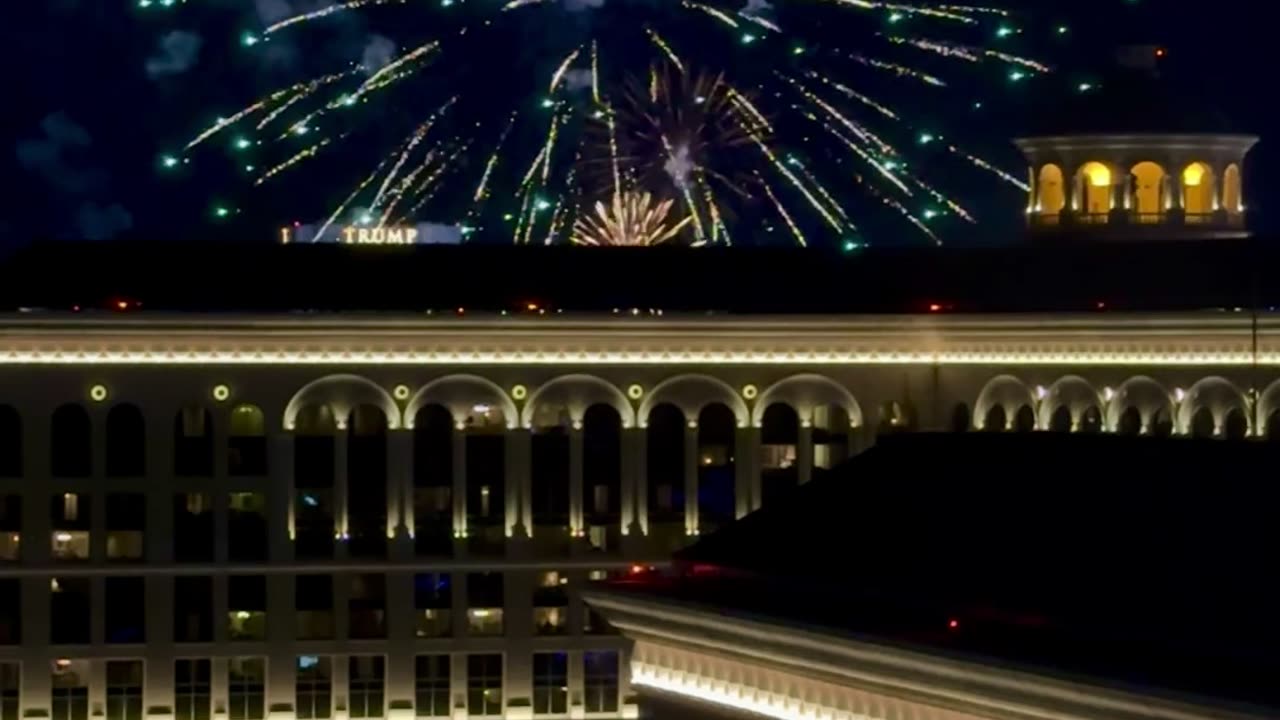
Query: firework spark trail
[(630, 220), (1019, 60), (955, 207), (884, 171), (945, 49), (354, 194), (975, 9), (900, 70), (429, 182), (514, 4), (664, 47), (298, 157), (564, 66), (398, 192), (325, 12), (299, 90), (414, 140), (613, 150), (795, 229), (822, 190), (857, 129), (713, 12), (979, 162), (524, 207), (850, 92), (813, 201), (548, 151), (389, 70), (595, 73), (482, 188), (762, 22)]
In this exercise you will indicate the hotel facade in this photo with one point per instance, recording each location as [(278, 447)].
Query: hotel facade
[(292, 516)]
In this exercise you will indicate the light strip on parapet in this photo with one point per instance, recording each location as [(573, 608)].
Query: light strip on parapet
[(162, 357)]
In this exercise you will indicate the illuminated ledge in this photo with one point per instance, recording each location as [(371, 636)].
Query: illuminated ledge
[(1198, 339), (786, 673)]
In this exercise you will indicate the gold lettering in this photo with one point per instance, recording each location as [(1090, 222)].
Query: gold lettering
[(395, 236), (349, 234), (410, 235)]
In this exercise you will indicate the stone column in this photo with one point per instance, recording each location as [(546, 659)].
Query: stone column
[(577, 513), (340, 459), (221, 525), (635, 486), (746, 458), (400, 640), (459, 482), (281, 632), (399, 492), (691, 478), (519, 493), (804, 453), (280, 528)]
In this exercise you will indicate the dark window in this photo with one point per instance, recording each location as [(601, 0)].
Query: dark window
[(192, 691), (126, 526), (366, 685), (368, 606), (70, 515), (313, 600), (70, 691), (192, 609), (247, 442), (246, 688), (432, 682), (247, 607), (664, 463), (10, 690), (126, 609), (10, 442), (433, 481), (10, 527), (433, 603), (367, 482), (484, 684), (69, 609), (602, 469), (10, 611), (193, 527), (70, 451), (600, 681), (550, 683), (126, 442), (314, 687), (247, 527), (193, 442), (124, 690)]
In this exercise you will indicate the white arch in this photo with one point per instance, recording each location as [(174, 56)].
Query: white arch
[(1145, 395), (1007, 392), (341, 394), (577, 393), (691, 393), (1268, 403), (804, 393), (1217, 395), (459, 394), (1074, 393)]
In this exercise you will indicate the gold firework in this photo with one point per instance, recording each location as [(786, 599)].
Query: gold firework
[(632, 219)]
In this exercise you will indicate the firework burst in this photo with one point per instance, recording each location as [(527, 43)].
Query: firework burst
[(547, 121)]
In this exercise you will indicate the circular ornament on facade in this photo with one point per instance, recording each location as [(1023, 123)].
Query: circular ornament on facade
[(635, 392), (519, 392), (750, 392), (221, 393), (98, 393), (400, 392)]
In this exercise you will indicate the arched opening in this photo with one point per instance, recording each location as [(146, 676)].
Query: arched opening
[(602, 476), (247, 441), (549, 469), (1198, 187), (1273, 427), (1236, 426), (193, 442), (1162, 423), (996, 420), (1095, 193), (486, 429), (716, 427), (314, 472), (1025, 420), (367, 482), (831, 425), (126, 442), (664, 469), (1061, 420), (1051, 195), (1232, 195), (1130, 422), (1202, 424), (897, 417), (10, 442), (779, 435), (70, 446), (433, 480), (1146, 181), (961, 418), (1090, 420)]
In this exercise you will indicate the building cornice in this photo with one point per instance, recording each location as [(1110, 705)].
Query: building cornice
[(1166, 339)]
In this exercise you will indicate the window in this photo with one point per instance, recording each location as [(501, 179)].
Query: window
[(124, 690), (126, 442), (432, 683), (10, 690), (192, 609), (10, 612), (10, 442), (247, 527), (125, 610), (10, 527), (367, 607), (247, 607), (192, 527), (550, 604), (367, 482), (247, 442), (193, 442), (246, 688), (600, 681), (192, 695), (70, 453), (484, 684), (313, 601), (314, 687), (550, 683), (126, 524), (432, 602), (70, 513), (484, 603), (366, 686), (69, 604), (70, 692)]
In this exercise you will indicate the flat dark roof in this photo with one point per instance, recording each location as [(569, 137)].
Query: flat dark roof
[(1131, 561), (231, 277)]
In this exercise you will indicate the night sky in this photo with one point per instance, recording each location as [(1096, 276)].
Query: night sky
[(96, 94)]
